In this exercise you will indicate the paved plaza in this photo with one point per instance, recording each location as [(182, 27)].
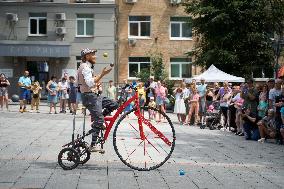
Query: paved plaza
[(30, 143)]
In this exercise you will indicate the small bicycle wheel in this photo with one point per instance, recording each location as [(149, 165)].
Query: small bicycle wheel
[(148, 154), (83, 152), (68, 158)]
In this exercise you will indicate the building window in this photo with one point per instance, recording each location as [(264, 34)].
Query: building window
[(85, 25), (137, 64), (139, 26), (180, 68), (180, 28), (37, 24)]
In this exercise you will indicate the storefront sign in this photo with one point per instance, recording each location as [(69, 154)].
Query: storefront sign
[(35, 50), (8, 72)]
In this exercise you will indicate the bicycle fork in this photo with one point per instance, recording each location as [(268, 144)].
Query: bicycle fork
[(138, 114)]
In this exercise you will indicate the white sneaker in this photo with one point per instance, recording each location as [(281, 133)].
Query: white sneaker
[(31, 111), (261, 140), (96, 149), (37, 111)]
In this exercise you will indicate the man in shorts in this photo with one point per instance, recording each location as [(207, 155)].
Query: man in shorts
[(25, 94)]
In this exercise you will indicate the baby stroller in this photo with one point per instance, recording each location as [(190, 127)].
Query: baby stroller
[(213, 116)]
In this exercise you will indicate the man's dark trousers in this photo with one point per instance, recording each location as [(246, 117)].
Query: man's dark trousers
[(95, 104)]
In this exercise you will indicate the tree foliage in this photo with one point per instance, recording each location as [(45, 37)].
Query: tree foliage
[(157, 68), (235, 35)]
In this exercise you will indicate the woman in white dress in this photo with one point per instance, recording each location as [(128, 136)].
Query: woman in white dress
[(179, 104)]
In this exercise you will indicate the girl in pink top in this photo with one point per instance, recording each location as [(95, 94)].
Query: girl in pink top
[(194, 101), (160, 92)]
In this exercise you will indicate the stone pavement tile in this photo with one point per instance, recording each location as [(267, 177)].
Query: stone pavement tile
[(150, 179), (269, 177), (6, 185), (12, 170), (120, 176), (93, 176), (171, 175), (196, 175), (63, 179), (31, 181)]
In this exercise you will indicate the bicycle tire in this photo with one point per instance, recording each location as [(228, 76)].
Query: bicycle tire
[(82, 150), (72, 156), (154, 166)]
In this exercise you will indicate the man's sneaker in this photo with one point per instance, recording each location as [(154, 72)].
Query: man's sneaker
[(21, 110), (261, 140), (31, 111), (94, 148)]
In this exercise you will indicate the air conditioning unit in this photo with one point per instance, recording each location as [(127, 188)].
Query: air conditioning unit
[(60, 16), (81, 1), (60, 30), (12, 17), (175, 2), (132, 42), (130, 1)]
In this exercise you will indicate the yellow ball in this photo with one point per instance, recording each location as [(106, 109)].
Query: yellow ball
[(105, 55)]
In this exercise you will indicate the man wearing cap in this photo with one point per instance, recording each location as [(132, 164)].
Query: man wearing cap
[(92, 100)]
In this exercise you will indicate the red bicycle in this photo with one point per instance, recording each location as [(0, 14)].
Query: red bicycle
[(140, 143)]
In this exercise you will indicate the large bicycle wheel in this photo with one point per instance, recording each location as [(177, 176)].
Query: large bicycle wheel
[(68, 158), (148, 154)]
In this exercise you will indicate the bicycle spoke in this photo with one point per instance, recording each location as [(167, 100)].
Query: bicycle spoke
[(149, 153), (151, 144), (134, 150)]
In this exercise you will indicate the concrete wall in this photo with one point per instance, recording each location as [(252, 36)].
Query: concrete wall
[(103, 40)]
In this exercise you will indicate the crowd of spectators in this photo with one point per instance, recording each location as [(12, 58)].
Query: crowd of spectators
[(255, 111)]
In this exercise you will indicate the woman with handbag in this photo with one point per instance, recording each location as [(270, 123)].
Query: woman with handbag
[(52, 88), (4, 83)]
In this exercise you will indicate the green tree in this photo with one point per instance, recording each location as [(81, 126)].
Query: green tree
[(158, 67), (157, 70), (235, 35), (143, 75)]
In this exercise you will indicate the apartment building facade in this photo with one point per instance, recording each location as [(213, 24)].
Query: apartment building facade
[(45, 37), (149, 26)]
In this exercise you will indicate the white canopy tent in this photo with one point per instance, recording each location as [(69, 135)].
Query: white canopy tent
[(213, 74)]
